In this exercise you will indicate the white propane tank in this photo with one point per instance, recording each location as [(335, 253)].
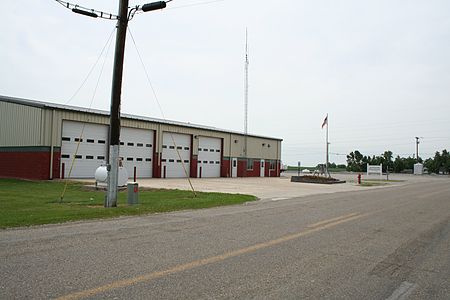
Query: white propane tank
[(101, 175)]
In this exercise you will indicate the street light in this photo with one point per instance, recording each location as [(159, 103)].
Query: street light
[(153, 6), (85, 12)]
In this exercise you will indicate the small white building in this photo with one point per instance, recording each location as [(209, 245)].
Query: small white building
[(418, 169)]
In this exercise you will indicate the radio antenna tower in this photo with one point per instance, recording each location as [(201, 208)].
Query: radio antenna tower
[(246, 94)]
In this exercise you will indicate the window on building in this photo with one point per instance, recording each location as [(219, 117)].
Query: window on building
[(65, 156), (186, 148), (129, 159), (140, 145), (90, 140), (148, 145), (273, 164), (148, 159), (89, 157), (139, 159), (130, 144), (249, 163), (78, 140), (101, 141), (101, 157), (67, 139), (171, 147)]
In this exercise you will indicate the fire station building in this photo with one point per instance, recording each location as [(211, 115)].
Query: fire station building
[(40, 140)]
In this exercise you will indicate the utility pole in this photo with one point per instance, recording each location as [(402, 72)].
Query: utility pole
[(246, 98), (114, 122), (417, 148), (116, 92)]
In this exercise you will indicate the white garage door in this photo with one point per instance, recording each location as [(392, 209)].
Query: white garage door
[(171, 162), (136, 150), (209, 155), (91, 151)]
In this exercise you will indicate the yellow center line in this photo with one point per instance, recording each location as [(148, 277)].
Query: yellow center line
[(214, 259)]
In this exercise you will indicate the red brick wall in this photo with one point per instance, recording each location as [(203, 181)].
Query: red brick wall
[(242, 168), (29, 164)]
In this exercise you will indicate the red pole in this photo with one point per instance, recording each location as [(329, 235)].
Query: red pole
[(63, 169)]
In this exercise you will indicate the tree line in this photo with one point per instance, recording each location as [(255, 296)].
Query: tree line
[(357, 162)]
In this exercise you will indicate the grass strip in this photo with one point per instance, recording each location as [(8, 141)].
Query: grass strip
[(25, 203)]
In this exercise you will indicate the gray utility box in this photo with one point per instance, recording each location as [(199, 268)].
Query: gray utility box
[(133, 193)]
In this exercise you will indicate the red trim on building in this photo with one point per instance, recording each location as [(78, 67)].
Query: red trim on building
[(156, 172), (194, 164), (266, 168), (225, 168), (56, 164), (222, 172), (194, 161)]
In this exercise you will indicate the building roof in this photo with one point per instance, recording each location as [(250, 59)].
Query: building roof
[(42, 104)]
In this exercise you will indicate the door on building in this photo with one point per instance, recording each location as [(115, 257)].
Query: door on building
[(234, 167), (85, 147), (136, 150), (176, 154), (209, 157), (261, 174)]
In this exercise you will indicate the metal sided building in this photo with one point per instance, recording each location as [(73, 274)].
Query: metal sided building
[(40, 140)]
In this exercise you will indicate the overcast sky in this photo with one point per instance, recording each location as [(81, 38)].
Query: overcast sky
[(380, 69)]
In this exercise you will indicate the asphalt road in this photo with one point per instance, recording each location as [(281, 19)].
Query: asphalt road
[(390, 243)]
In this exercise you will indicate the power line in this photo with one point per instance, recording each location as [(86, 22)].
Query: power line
[(92, 68), (88, 11), (160, 109)]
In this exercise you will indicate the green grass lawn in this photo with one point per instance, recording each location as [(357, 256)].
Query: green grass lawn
[(24, 203)]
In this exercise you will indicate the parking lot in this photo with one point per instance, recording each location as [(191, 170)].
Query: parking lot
[(277, 188)]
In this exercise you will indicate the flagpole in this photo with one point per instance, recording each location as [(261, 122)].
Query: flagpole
[(326, 164)]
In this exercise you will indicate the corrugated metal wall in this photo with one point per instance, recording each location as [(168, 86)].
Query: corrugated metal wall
[(20, 125), (44, 126)]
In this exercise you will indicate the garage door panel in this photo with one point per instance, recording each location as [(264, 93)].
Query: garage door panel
[(92, 149), (89, 148), (209, 157), (176, 152), (137, 151)]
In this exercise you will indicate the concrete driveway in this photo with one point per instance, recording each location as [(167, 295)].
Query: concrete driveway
[(263, 187)]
